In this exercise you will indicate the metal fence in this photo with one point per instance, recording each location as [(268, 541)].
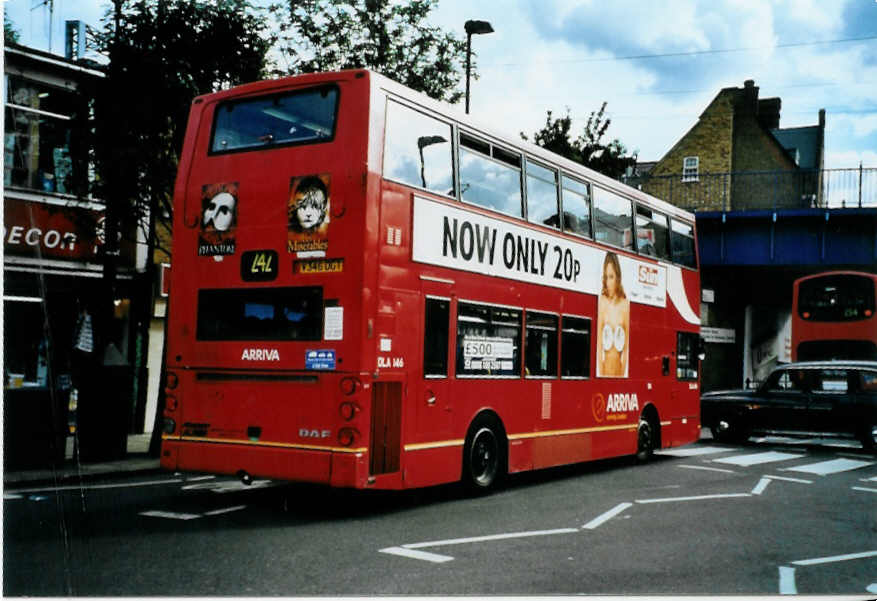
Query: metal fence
[(751, 190)]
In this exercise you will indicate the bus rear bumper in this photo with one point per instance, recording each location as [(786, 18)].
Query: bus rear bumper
[(347, 469)]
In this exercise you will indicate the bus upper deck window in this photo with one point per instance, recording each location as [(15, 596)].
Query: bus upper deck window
[(297, 117)]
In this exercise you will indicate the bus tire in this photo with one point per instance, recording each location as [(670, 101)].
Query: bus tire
[(484, 455), (868, 438), (645, 440)]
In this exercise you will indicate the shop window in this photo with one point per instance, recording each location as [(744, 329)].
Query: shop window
[(542, 195), (613, 219), (488, 341), (575, 347), (418, 150), (437, 313), (540, 345), (40, 137), (26, 352)]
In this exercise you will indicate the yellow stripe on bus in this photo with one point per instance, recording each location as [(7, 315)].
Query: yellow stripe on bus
[(262, 443)]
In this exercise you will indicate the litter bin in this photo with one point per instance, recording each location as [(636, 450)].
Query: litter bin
[(103, 413), (34, 428)]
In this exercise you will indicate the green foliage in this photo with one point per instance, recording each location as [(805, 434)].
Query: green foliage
[(10, 34), (610, 158), (164, 53), (392, 38)]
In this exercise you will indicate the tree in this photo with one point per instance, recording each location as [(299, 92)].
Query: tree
[(162, 54), (610, 158), (392, 38), (10, 33)]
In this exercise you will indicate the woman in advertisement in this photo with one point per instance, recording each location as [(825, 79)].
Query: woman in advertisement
[(613, 322)]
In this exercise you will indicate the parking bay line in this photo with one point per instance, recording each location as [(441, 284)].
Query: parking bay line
[(711, 469), (410, 550), (787, 574), (831, 466), (696, 498), (606, 516)]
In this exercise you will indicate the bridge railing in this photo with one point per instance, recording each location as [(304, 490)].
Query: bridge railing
[(753, 190)]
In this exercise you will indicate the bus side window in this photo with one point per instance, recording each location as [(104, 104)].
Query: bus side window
[(575, 347), (542, 195), (490, 176), (682, 243), (651, 233), (417, 150), (488, 340), (437, 314), (576, 207), (613, 219), (540, 345)]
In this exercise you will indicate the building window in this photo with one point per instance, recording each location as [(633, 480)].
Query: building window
[(689, 169), (435, 337), (41, 137)]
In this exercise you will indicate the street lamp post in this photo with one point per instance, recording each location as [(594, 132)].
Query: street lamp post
[(473, 28)]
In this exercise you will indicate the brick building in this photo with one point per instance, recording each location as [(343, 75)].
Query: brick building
[(736, 157)]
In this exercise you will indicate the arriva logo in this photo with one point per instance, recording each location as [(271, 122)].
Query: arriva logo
[(613, 405), (622, 402), (260, 354)]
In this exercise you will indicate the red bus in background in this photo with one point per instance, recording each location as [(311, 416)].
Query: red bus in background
[(371, 290), (833, 316)]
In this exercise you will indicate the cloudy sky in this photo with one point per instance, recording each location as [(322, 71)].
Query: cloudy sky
[(658, 63)]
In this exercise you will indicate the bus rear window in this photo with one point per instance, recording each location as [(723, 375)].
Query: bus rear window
[(836, 298), (260, 314), (300, 117)]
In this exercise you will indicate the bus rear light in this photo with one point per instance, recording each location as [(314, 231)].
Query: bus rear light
[(805, 315), (169, 425), (347, 436), (349, 385), (170, 402), (349, 410), (171, 380), (868, 312)]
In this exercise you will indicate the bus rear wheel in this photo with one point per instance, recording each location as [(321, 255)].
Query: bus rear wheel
[(645, 445), (483, 456)]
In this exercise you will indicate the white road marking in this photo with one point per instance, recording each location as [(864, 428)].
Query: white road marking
[(703, 467), (200, 478), (693, 451), (9, 496), (759, 488), (403, 552), (787, 581), (871, 588), (831, 466), (862, 488), (758, 458), (99, 486), (698, 498), (226, 510), (834, 558), (489, 537), (171, 515), (874, 479), (607, 516), (784, 479), (230, 486)]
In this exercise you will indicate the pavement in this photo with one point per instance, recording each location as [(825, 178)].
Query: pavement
[(136, 461)]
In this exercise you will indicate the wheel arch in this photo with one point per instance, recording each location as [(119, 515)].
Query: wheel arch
[(650, 414)]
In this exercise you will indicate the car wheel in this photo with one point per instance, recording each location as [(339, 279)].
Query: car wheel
[(645, 445), (729, 429), (869, 438), (483, 456)]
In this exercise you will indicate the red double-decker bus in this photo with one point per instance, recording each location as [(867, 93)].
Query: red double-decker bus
[(833, 316), (371, 290)]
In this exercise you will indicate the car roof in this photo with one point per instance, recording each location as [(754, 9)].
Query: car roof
[(833, 364)]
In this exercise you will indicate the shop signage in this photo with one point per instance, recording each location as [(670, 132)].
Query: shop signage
[(42, 230)]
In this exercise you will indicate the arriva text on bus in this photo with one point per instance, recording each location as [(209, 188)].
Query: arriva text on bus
[(478, 242)]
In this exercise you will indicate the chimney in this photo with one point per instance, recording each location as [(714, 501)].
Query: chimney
[(769, 112), (750, 97)]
